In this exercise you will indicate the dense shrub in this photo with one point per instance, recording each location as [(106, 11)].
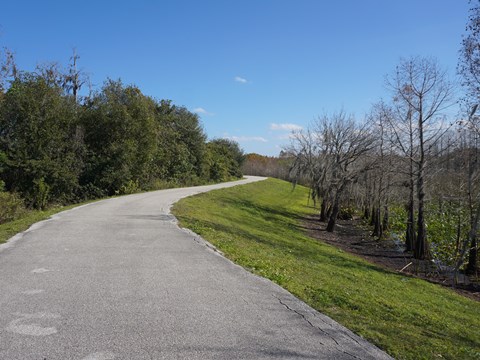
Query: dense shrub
[(56, 149), (11, 205)]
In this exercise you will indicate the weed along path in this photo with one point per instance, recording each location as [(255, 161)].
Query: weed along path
[(117, 279)]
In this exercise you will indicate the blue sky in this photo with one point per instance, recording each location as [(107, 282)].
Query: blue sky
[(252, 69)]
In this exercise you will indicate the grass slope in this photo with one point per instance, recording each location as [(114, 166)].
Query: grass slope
[(259, 226)]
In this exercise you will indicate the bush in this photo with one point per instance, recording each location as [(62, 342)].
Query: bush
[(90, 191), (346, 213), (11, 206), (41, 193), (131, 187)]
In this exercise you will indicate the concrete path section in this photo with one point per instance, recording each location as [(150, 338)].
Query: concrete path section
[(117, 279)]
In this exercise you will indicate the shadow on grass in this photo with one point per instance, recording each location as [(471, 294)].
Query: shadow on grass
[(277, 238), (274, 215)]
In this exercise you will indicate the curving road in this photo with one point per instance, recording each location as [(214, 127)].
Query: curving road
[(117, 279)]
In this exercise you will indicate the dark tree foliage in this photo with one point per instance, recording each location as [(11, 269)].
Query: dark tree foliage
[(54, 148), (225, 159), (119, 124), (42, 153), (181, 143)]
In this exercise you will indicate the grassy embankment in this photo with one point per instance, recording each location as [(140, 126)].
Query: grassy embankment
[(259, 226)]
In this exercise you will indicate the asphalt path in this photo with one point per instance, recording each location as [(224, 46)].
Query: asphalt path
[(117, 279)]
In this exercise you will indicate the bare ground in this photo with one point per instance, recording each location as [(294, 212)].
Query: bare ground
[(354, 236)]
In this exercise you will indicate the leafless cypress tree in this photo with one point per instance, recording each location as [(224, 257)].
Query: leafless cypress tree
[(74, 79), (469, 69), (8, 68), (330, 155), (380, 117), (422, 91)]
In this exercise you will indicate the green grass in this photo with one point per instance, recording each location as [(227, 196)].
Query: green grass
[(259, 226), (30, 217)]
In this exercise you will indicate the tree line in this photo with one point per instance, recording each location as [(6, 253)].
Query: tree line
[(406, 167), (269, 166), (58, 146)]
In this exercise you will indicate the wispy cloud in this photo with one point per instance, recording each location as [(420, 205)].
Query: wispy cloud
[(240, 79), (285, 127), (286, 136), (202, 111), (247, 138)]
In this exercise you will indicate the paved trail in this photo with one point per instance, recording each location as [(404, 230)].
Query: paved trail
[(117, 279)]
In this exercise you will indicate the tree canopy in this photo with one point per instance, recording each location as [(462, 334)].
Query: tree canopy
[(57, 146)]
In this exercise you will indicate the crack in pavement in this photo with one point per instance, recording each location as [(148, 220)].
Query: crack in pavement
[(321, 318), (322, 330), (305, 318), (354, 356), (351, 337), (126, 304)]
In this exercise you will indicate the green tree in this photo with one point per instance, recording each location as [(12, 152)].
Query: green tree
[(39, 141), (225, 159), (120, 135), (181, 152)]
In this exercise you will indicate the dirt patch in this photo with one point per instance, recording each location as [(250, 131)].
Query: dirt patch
[(354, 236)]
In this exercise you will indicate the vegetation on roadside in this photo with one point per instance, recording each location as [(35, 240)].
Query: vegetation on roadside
[(259, 226), (27, 218), (268, 166), (15, 217), (61, 146)]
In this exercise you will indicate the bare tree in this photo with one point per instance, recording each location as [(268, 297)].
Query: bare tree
[(421, 91), (309, 166), (380, 117), (8, 68), (75, 78), (331, 156), (469, 69), (472, 150), (52, 73), (469, 60), (403, 136)]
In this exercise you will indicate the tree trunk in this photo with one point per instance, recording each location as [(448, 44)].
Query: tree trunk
[(366, 212), (333, 216), (329, 211), (323, 210), (421, 247), (410, 233), (335, 207), (376, 222), (472, 256), (373, 213), (386, 219), (473, 251), (421, 250)]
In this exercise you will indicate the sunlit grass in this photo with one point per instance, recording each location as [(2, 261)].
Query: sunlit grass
[(259, 226)]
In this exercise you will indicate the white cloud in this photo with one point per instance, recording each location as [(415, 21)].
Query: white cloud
[(285, 127), (200, 110), (240, 79), (247, 138), (286, 136)]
